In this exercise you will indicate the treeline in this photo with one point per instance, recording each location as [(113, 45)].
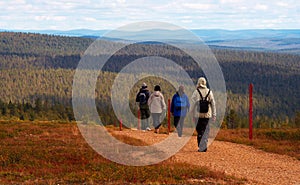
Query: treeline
[(25, 61), (44, 110), (31, 44), (40, 110), (28, 50)]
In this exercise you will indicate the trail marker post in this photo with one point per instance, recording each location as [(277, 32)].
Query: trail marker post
[(169, 115), (139, 119), (120, 125), (250, 110)]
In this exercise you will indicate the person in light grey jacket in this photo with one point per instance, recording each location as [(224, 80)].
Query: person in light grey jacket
[(202, 118), (157, 106)]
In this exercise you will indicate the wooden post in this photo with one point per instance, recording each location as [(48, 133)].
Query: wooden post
[(139, 119), (120, 125), (250, 111), (169, 115)]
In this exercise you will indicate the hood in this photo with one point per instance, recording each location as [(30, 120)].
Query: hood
[(156, 93)]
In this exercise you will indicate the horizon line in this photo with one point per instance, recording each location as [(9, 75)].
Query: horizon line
[(88, 29)]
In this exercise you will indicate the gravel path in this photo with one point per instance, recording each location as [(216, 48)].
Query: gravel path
[(257, 166)]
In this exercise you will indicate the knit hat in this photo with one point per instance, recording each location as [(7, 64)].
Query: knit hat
[(144, 86)]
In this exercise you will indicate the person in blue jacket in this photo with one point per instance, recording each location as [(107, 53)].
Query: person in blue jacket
[(179, 108)]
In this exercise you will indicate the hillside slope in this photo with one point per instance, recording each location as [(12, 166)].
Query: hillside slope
[(42, 66)]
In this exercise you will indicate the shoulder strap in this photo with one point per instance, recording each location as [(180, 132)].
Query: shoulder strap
[(200, 94), (207, 94)]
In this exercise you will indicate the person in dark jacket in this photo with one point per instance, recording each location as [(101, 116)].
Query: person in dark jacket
[(179, 107), (142, 98)]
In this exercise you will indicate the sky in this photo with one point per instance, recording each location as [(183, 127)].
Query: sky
[(111, 14)]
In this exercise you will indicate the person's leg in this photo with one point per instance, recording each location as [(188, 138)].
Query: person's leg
[(156, 121), (206, 136), (176, 123), (180, 125), (198, 129), (202, 136), (147, 114), (143, 119)]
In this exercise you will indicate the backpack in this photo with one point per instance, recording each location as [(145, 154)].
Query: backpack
[(142, 98), (203, 103), (179, 103)]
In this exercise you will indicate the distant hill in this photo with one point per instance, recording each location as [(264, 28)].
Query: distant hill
[(281, 40), (71, 33)]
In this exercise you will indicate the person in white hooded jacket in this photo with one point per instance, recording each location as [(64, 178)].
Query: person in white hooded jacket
[(157, 106)]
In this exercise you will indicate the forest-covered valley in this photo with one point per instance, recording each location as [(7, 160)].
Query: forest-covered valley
[(37, 73)]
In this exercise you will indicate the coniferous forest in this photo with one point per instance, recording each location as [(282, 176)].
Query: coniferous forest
[(36, 76)]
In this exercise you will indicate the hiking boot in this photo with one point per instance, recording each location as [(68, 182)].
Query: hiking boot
[(202, 150)]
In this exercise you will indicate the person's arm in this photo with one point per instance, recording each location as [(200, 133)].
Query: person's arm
[(148, 94), (164, 107), (137, 97), (150, 100), (194, 99), (172, 105), (187, 102), (213, 106)]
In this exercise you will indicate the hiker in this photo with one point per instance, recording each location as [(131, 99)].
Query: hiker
[(179, 107), (142, 98), (157, 106), (202, 112)]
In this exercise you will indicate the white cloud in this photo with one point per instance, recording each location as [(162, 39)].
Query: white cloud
[(90, 19), (50, 18), (105, 14), (282, 4), (121, 1), (199, 6), (261, 7), (187, 21), (230, 1)]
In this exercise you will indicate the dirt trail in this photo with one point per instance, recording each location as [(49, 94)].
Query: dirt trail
[(233, 159)]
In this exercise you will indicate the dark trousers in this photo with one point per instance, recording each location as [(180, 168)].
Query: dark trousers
[(145, 114), (202, 129), (178, 123)]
